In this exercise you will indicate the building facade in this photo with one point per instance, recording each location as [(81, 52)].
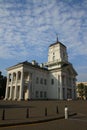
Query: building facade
[(55, 79)]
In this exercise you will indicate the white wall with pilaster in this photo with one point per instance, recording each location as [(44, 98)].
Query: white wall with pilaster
[(40, 86)]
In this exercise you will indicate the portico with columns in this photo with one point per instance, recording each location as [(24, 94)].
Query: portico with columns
[(14, 81), (18, 84)]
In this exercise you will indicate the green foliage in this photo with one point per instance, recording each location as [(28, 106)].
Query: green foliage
[(3, 80), (82, 90)]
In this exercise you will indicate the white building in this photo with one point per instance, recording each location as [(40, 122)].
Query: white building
[(55, 79)]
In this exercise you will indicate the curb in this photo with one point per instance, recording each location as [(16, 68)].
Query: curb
[(35, 122)]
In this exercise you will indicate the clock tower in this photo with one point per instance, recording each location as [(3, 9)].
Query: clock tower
[(57, 55)]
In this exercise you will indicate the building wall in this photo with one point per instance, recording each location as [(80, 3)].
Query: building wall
[(34, 83)]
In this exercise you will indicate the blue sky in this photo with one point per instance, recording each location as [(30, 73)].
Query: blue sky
[(28, 27)]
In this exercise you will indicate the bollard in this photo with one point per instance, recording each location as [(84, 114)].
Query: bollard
[(57, 111), (3, 114), (27, 113), (66, 112), (45, 111)]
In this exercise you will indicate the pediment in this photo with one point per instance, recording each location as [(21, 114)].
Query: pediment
[(70, 69)]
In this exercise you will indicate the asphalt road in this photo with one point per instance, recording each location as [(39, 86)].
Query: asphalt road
[(70, 124)]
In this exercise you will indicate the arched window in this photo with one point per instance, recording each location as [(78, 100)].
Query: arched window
[(52, 81), (37, 80), (10, 77), (19, 75), (14, 76)]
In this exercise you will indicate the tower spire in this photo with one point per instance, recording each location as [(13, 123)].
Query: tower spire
[(57, 37)]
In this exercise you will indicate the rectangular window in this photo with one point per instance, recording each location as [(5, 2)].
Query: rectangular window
[(58, 80), (41, 94), (58, 93), (37, 94), (37, 80), (63, 80), (45, 81), (52, 81), (41, 81), (67, 81), (63, 93), (69, 93), (73, 81), (45, 94)]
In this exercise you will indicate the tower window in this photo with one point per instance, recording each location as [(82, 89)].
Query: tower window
[(53, 56)]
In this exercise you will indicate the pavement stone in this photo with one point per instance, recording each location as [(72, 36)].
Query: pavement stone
[(16, 112)]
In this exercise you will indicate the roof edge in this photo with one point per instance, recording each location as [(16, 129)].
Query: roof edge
[(57, 43)]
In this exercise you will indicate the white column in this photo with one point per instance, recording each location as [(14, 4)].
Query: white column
[(29, 85), (65, 87), (15, 96), (11, 87), (72, 88), (21, 87), (28, 91), (61, 88), (6, 93)]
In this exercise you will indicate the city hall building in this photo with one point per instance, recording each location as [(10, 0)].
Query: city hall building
[(55, 79)]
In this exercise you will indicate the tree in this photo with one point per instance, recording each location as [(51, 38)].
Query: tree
[(85, 89), (82, 90), (3, 80)]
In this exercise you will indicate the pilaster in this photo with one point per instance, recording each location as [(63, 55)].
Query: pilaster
[(21, 86), (61, 88), (65, 87), (15, 96)]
